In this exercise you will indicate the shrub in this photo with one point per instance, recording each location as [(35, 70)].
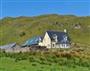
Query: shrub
[(31, 59), (34, 64), (42, 59), (22, 34), (42, 62)]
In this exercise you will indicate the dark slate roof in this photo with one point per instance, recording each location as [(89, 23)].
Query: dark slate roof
[(60, 36)]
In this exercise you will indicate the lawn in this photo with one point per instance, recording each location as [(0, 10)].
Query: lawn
[(9, 64), (45, 61)]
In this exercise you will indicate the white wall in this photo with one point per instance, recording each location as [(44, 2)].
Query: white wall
[(47, 41), (64, 46)]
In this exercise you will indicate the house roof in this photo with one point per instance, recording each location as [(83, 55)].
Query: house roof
[(62, 37), (11, 45), (32, 41)]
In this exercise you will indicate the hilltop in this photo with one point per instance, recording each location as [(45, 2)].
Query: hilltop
[(19, 29)]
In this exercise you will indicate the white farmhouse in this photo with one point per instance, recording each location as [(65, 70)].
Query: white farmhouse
[(55, 39)]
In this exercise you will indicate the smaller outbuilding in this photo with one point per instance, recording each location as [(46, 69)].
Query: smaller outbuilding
[(8, 46)]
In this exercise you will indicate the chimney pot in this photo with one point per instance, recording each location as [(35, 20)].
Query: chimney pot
[(65, 30)]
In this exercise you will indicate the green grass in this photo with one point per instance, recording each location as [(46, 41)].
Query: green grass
[(9, 64), (62, 60), (78, 59), (11, 29)]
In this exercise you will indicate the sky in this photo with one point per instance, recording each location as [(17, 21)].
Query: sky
[(15, 8)]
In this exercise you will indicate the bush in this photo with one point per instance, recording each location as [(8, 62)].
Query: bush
[(34, 64), (22, 34), (31, 59)]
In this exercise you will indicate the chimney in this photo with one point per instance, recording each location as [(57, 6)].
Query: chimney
[(65, 30)]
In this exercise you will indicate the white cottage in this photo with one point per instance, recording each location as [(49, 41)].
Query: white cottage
[(55, 39)]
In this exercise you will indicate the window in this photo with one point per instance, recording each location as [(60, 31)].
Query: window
[(53, 45)]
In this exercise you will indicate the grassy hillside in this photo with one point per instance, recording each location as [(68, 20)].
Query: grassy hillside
[(20, 29)]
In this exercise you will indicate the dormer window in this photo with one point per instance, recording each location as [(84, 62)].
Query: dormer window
[(65, 38), (55, 38)]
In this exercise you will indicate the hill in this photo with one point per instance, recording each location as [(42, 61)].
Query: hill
[(21, 28)]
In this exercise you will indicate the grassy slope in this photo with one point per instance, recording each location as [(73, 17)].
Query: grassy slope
[(11, 29), (7, 64), (63, 60)]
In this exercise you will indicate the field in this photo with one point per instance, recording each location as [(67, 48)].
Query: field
[(61, 60), (9, 64)]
